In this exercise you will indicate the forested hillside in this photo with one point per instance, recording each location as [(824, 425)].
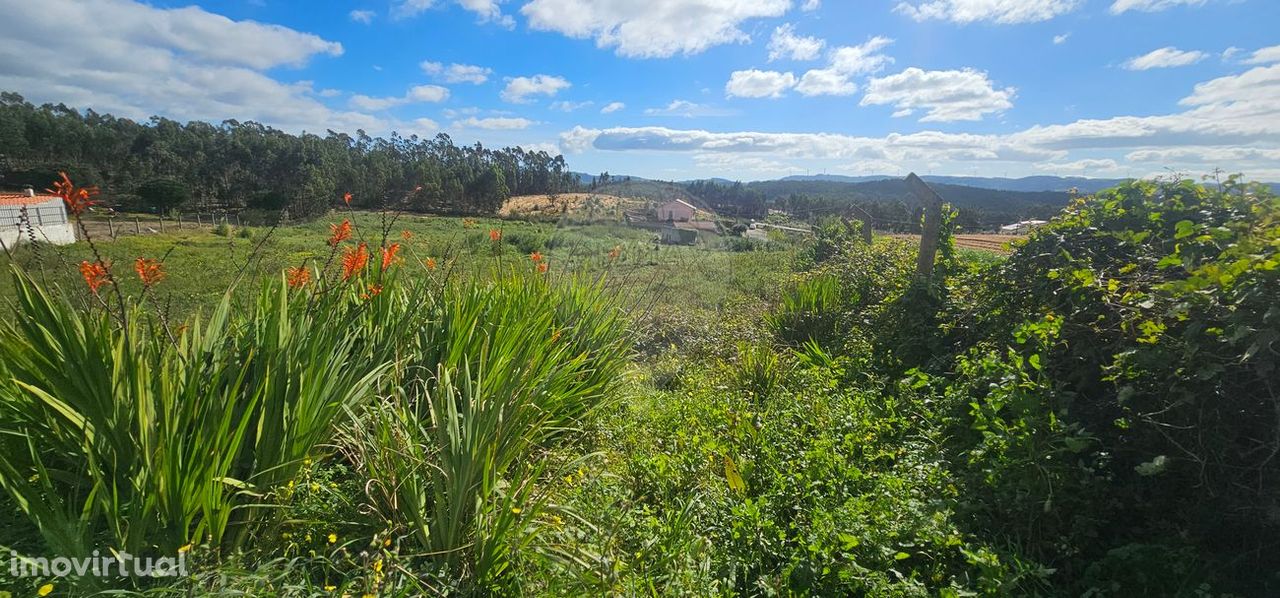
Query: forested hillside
[(892, 205), (162, 164)]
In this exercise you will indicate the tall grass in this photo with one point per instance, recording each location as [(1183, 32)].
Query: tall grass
[(505, 369), (144, 440)]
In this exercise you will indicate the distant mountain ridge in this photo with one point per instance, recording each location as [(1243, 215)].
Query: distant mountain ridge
[(1026, 184)]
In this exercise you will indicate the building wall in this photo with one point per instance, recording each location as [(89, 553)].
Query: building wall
[(675, 211), (48, 221)]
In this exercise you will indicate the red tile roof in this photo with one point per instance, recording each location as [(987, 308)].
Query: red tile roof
[(21, 199)]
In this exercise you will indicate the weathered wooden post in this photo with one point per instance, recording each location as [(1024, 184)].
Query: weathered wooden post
[(179, 220), (932, 224), (161, 217), (137, 226), (198, 222), (111, 226)]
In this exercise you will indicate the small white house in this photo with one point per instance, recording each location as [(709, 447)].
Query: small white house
[(676, 211), (46, 219), (1021, 228)]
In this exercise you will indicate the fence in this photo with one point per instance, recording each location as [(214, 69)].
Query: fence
[(11, 217)]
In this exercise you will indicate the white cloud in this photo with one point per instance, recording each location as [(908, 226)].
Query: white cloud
[(612, 107), (1122, 6), (519, 89), (567, 106), (686, 109), (862, 59), (457, 73), (651, 28), (785, 44), (362, 16), (1058, 40), (1232, 122), (946, 95), (1085, 166), (1004, 12), (758, 84), (826, 82), (487, 10), (1164, 58), (811, 5), (184, 63), (846, 62), (329, 93), (1267, 55), (497, 123), (420, 93)]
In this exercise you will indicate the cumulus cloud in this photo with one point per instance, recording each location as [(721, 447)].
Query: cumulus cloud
[(1004, 12), (185, 63), (1058, 40), (612, 107), (758, 84), (1167, 57), (785, 44), (651, 28), (1122, 6), (846, 62), (1267, 55), (457, 73), (420, 93), (946, 95), (497, 123), (1231, 122), (519, 89), (362, 16), (826, 82)]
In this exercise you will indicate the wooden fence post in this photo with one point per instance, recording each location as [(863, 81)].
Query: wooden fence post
[(161, 217), (932, 224), (237, 219), (179, 220), (198, 222), (137, 226), (111, 226)]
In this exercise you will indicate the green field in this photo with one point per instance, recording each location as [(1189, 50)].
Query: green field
[(1093, 414)]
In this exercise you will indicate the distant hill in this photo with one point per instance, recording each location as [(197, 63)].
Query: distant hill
[(1031, 183)]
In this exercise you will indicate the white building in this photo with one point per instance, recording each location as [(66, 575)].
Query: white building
[(1021, 228), (46, 218)]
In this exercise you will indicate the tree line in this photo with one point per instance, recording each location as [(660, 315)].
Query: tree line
[(162, 164)]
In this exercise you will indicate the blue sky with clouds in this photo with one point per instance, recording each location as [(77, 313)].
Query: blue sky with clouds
[(676, 89)]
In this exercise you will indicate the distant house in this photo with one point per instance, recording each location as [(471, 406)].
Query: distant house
[(1021, 228), (46, 219), (676, 211)]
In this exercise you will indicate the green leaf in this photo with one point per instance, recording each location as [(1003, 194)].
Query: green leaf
[(1184, 229)]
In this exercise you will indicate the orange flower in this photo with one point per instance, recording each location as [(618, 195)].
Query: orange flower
[(298, 277), (542, 267), (406, 235), (555, 335), (76, 198), (347, 198), (615, 252), (536, 256), (431, 263), (95, 275), (354, 260), (389, 255), (148, 271), (339, 233), (495, 235), (374, 291)]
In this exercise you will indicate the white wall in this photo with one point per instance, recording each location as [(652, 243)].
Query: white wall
[(52, 225)]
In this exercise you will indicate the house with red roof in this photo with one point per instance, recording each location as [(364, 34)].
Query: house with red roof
[(26, 214)]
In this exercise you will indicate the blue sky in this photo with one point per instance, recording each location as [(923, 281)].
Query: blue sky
[(676, 89)]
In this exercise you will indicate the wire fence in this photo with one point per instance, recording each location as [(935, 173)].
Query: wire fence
[(11, 217)]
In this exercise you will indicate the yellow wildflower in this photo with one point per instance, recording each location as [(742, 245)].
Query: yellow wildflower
[(333, 538), (45, 589)]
